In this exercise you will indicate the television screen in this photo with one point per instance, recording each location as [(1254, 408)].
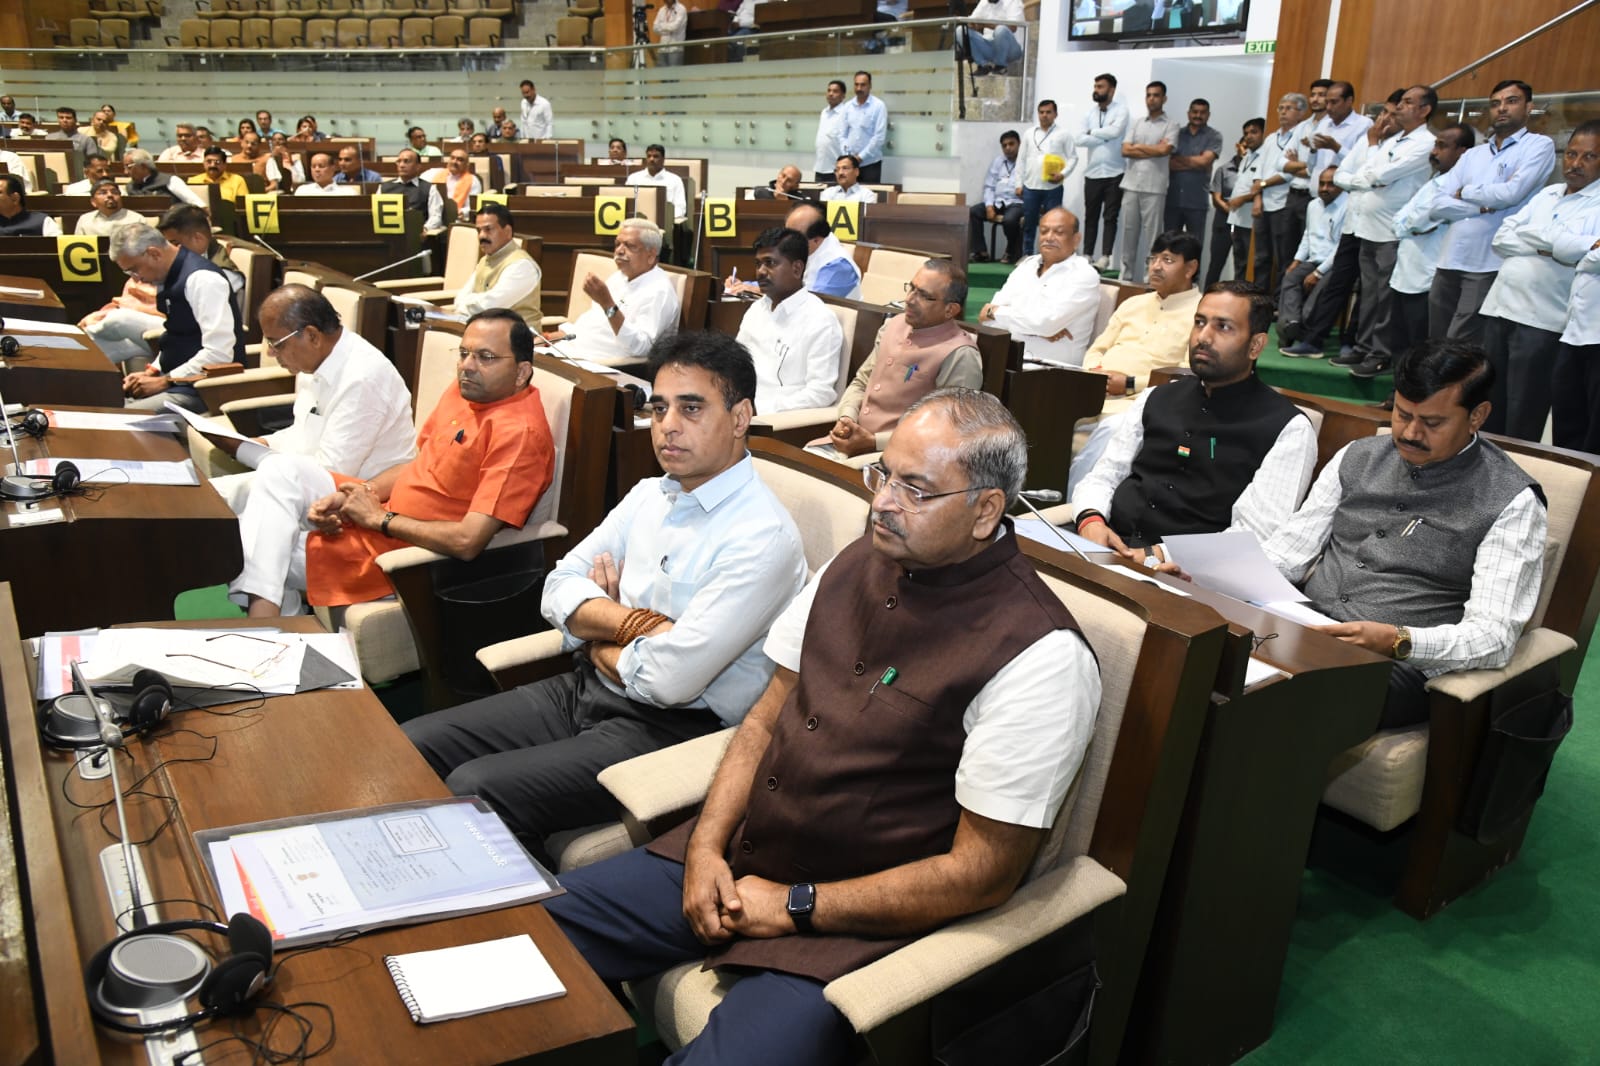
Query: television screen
[(1128, 19)]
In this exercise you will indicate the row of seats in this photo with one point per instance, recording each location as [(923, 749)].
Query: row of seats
[(444, 31), (308, 9)]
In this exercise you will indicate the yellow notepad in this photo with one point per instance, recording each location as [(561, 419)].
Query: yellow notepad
[(473, 978)]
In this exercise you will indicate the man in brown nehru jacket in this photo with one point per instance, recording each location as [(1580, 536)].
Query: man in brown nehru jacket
[(907, 774), (917, 351)]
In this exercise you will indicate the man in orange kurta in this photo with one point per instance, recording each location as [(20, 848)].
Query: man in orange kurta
[(484, 457)]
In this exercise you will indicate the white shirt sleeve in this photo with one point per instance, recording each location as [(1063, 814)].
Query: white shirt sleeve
[(435, 220), (1095, 491), (186, 194), (1280, 481), (210, 298), (51, 227), (647, 316), (1296, 544)]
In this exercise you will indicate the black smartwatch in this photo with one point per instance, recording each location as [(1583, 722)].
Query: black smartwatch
[(802, 901)]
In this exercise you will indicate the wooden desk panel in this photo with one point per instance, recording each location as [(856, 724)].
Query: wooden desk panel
[(274, 763), (44, 376), (337, 232), (70, 208), (38, 258), (125, 550), (46, 306)]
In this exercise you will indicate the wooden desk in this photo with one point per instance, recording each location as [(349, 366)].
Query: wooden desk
[(46, 307), (41, 376), (71, 208), (1209, 987), (39, 258), (337, 232), (124, 551), (275, 764)]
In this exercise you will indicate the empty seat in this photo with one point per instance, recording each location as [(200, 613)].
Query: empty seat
[(483, 32), (115, 33), (225, 33), (352, 33), (286, 33), (320, 33), (192, 33), (449, 31), (384, 33), (81, 33), (416, 32), (255, 32), (570, 33)]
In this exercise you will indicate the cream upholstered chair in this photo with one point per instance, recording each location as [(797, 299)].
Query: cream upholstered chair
[(395, 637), (938, 199), (460, 259), (584, 262), (1420, 774), (1095, 852), (830, 509), (887, 274), (811, 422)]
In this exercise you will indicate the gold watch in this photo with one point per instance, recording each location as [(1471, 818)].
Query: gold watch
[(1402, 643)]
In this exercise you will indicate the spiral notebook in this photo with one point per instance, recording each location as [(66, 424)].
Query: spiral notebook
[(473, 978)]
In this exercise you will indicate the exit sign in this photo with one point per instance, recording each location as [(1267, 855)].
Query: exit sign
[(1256, 48)]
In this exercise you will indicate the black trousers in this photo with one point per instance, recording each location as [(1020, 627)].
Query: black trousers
[(1190, 219), (1408, 324), (1576, 403), (1318, 322), (1272, 232), (1524, 361), (1295, 217), (533, 752), (871, 173), (1010, 219), (1101, 195), (1407, 700)]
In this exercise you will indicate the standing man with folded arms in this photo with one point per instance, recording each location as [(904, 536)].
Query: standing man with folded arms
[(1144, 185)]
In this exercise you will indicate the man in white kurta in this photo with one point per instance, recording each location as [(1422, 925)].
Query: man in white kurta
[(632, 308), (793, 338), (1049, 302)]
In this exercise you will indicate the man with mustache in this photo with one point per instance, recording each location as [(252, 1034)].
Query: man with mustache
[(1428, 544), (484, 457), (793, 337), (631, 309), (1049, 302), (895, 775), (1219, 450), (506, 275)]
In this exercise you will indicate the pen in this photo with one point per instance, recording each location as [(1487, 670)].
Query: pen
[(912, 369), (886, 680), (1411, 527), (461, 435), (1213, 447)]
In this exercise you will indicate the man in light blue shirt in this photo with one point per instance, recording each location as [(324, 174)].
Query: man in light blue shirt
[(1491, 181), (1000, 202), (665, 605), (1103, 129), (1421, 238), (1313, 261), (866, 128)]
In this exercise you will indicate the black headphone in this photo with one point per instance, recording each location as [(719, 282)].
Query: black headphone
[(35, 423), (9, 345), (154, 967), (66, 481), (70, 722)]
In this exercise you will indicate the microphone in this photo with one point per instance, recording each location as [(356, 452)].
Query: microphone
[(275, 253), (111, 736), (1043, 495), (426, 254), (17, 485), (1049, 497)]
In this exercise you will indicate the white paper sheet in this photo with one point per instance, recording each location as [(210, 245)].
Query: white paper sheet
[(1035, 529), (115, 471), (34, 325), (17, 290), (1303, 613), (34, 341), (113, 421), (1231, 563), (1257, 671), (208, 426)]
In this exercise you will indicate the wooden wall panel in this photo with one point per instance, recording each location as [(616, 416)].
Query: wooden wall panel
[(1302, 29)]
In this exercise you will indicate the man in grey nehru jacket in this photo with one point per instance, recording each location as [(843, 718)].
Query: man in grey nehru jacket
[(1428, 544)]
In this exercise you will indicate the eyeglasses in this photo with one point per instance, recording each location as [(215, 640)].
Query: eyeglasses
[(281, 341), (483, 355), (932, 298), (908, 499)]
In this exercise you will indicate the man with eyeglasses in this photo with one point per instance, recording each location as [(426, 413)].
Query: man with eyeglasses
[(352, 414), (895, 775), (202, 321), (666, 603), (632, 308), (1218, 450), (483, 458), (1049, 302), (917, 351), (322, 181), (506, 275)]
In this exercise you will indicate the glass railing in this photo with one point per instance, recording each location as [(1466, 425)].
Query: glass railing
[(1555, 115)]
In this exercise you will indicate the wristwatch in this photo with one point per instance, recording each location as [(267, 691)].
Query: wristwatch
[(388, 516), (1128, 384), (802, 901), (1402, 643), (611, 312)]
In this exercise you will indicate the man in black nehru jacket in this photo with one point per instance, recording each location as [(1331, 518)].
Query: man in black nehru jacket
[(1214, 451)]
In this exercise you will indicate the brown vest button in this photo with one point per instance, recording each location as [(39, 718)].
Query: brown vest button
[(860, 668), (811, 723), (890, 602), (746, 847), (772, 784)]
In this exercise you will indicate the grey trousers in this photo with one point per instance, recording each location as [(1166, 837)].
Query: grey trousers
[(1294, 303), (1141, 225), (533, 752), (1453, 304), (1524, 361), (1377, 299)]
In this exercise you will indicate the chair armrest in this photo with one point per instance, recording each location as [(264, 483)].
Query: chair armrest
[(670, 781), (433, 296), (1536, 646), (535, 647), (249, 416), (403, 286), (406, 558), (210, 459), (879, 991), (231, 388), (549, 321)]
